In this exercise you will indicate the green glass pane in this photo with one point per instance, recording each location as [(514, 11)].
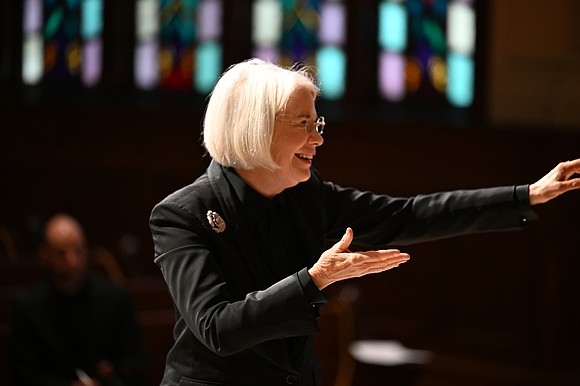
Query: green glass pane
[(53, 22), (435, 36)]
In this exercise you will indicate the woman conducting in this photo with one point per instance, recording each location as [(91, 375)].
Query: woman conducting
[(242, 248)]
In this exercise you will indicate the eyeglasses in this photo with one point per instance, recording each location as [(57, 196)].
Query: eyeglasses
[(309, 126)]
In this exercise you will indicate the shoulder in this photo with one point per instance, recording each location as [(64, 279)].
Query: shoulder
[(191, 194), (108, 294), (187, 208), (188, 199), (32, 296)]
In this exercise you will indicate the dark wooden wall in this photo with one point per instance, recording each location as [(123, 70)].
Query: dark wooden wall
[(497, 309)]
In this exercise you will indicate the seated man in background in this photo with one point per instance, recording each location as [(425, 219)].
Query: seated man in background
[(76, 328)]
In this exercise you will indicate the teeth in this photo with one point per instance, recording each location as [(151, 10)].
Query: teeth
[(305, 156)]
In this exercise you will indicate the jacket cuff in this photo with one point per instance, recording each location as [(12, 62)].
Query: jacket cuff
[(310, 290), (522, 200)]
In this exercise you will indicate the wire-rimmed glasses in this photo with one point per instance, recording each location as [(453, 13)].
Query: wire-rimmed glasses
[(308, 125)]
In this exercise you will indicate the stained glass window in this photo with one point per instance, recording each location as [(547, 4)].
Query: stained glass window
[(311, 32), (62, 41), (178, 44), (427, 50)]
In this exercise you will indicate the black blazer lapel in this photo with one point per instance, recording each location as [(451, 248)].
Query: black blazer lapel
[(236, 224)]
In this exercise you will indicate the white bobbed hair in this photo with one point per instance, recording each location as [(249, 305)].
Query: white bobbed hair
[(240, 115)]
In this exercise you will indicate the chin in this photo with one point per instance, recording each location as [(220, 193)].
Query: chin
[(303, 177)]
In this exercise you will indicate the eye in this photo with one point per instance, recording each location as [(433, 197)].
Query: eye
[(304, 123)]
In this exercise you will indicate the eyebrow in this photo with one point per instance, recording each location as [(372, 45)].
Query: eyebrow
[(306, 115)]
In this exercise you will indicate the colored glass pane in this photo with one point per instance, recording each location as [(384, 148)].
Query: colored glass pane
[(208, 66), (460, 79), (331, 64), (392, 76), (461, 28), (267, 23), (92, 19), (32, 45), (392, 26), (332, 24), (61, 39)]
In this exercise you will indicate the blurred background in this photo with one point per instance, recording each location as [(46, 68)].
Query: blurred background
[(100, 110)]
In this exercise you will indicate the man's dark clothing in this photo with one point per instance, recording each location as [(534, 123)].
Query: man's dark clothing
[(55, 334)]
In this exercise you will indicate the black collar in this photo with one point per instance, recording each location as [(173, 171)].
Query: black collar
[(254, 204)]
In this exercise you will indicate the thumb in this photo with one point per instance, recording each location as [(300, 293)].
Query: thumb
[(343, 244)]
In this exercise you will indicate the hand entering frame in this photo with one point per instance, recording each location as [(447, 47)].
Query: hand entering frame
[(558, 181)]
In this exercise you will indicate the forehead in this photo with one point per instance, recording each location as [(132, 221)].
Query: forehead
[(64, 232), (301, 101)]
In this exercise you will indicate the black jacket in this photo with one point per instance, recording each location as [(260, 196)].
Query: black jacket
[(231, 317)]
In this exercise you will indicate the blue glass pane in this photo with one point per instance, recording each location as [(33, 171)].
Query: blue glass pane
[(392, 26), (208, 66), (331, 63), (92, 19), (460, 80)]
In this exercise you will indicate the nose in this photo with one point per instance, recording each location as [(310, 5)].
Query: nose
[(315, 138), (74, 259)]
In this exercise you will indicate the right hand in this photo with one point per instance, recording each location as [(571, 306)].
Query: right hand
[(339, 263)]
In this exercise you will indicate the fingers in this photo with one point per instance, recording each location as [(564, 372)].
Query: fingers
[(343, 244), (380, 261), (573, 166), (565, 170), (558, 181), (338, 263), (569, 169)]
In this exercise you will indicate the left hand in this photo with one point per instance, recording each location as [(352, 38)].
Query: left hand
[(556, 182)]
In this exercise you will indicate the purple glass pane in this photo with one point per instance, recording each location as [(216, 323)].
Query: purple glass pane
[(271, 54), (92, 59), (392, 76), (209, 18), (32, 16), (332, 28), (146, 73)]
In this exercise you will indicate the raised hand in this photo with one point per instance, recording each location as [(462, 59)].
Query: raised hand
[(339, 263), (556, 182)]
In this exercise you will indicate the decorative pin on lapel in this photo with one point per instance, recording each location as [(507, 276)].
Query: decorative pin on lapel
[(216, 222)]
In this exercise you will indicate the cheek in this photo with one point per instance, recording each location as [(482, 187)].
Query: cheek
[(283, 150)]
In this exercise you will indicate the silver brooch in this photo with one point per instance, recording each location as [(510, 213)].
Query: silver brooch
[(216, 222)]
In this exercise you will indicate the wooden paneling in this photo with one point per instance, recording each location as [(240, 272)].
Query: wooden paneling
[(490, 300)]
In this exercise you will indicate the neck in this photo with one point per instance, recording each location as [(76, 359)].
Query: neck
[(69, 287), (263, 181)]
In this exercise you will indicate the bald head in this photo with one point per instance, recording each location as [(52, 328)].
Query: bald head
[(64, 252)]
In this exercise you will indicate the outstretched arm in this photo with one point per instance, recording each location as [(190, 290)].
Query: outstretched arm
[(558, 181)]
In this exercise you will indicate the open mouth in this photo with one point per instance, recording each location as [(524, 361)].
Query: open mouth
[(305, 157)]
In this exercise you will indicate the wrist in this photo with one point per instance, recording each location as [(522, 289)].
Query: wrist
[(318, 279)]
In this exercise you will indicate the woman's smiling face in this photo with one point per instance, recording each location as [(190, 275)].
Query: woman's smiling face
[(294, 140)]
